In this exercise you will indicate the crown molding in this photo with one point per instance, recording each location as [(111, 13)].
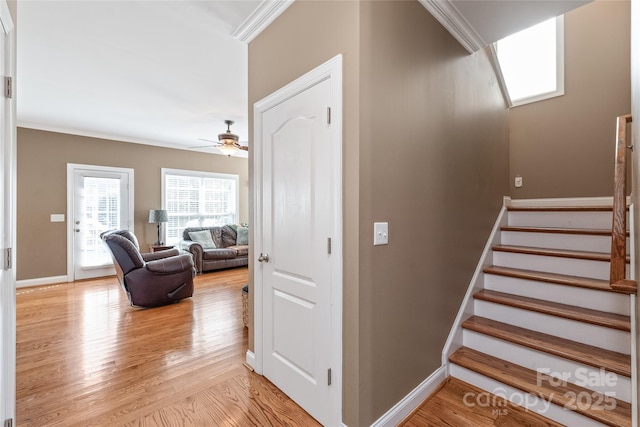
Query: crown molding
[(122, 138), (260, 19), (447, 14)]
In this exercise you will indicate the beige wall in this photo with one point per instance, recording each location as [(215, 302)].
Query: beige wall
[(42, 189), (563, 147), (425, 148), (13, 9), (434, 163)]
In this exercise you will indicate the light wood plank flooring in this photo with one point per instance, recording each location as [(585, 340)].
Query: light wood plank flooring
[(448, 407), (87, 358)]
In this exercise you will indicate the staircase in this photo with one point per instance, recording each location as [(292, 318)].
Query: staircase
[(540, 324)]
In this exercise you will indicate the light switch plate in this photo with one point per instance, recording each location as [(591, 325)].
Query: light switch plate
[(57, 217), (380, 233)]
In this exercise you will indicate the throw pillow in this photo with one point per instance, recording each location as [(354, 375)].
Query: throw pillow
[(243, 236), (203, 237)]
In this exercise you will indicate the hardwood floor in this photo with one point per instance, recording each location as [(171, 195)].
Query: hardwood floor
[(87, 358), (459, 404)]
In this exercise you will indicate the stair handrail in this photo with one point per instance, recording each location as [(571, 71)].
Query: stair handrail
[(619, 227)]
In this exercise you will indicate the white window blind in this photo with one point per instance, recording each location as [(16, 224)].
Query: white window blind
[(101, 208), (198, 199)]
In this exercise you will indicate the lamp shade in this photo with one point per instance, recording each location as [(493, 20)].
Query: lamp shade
[(158, 215)]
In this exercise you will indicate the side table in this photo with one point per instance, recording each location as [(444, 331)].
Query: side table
[(157, 248)]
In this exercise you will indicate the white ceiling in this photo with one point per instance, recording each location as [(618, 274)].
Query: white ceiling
[(157, 72), (479, 23), (169, 72), (496, 19)]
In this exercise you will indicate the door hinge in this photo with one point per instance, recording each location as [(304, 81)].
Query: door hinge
[(328, 115), (329, 245), (8, 259), (8, 422), (8, 87), (329, 376)]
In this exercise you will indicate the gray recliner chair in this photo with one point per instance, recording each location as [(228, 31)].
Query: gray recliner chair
[(152, 279)]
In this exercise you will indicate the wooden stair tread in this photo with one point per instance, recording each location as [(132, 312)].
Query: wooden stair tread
[(594, 317), (448, 407), (626, 286), (560, 279), (607, 208), (562, 253), (559, 230), (612, 361), (539, 384)]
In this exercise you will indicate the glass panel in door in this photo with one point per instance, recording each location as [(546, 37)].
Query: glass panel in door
[(99, 206)]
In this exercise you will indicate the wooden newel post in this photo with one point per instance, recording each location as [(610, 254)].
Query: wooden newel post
[(619, 228)]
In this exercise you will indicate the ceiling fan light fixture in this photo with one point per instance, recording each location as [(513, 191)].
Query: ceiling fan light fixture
[(228, 138), (228, 149)]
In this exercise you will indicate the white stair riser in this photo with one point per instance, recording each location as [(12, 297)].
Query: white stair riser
[(585, 376), (580, 297), (598, 336), (593, 220), (551, 264), (578, 242), (529, 401)]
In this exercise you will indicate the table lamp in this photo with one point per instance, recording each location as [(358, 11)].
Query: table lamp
[(158, 216)]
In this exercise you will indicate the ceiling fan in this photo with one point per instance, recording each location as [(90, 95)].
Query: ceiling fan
[(227, 141)]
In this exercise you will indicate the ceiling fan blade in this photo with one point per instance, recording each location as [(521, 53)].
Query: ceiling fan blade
[(208, 140), (205, 146), (243, 147)]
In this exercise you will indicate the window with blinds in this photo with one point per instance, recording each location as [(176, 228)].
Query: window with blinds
[(195, 199), (100, 203)]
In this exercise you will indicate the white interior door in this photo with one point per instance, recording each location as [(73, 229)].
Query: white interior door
[(300, 227), (7, 225), (101, 202)]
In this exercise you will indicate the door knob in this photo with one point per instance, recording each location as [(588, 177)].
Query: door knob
[(263, 258)]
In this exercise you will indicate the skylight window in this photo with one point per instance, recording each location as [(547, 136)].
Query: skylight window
[(532, 62)]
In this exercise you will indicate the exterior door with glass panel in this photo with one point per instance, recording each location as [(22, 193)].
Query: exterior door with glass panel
[(100, 203)]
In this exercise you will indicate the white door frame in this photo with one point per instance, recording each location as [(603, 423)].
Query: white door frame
[(71, 170), (8, 283), (331, 69)]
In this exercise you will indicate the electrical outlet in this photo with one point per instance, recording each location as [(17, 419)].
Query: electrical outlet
[(518, 181)]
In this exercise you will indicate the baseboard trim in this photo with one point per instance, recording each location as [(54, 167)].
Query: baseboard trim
[(41, 281), (412, 400), (250, 359)]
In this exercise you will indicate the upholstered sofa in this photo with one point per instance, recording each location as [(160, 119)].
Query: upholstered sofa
[(217, 247)]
